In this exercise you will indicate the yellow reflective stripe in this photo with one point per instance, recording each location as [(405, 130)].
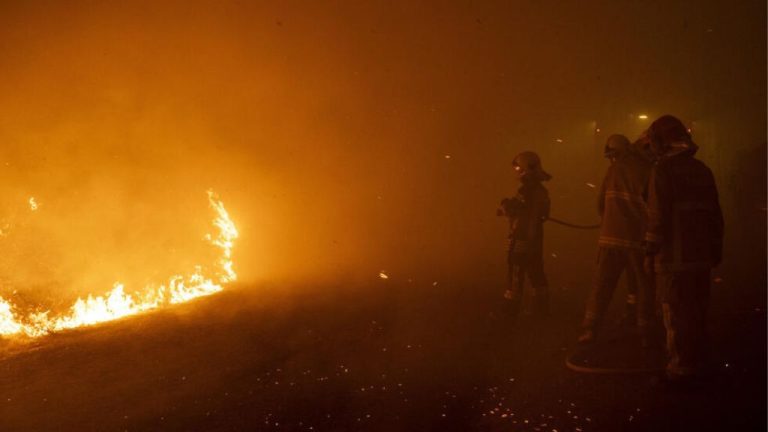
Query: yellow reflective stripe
[(613, 241), (635, 198), (688, 266), (652, 237)]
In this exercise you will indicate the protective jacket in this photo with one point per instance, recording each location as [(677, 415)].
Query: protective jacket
[(527, 212), (685, 225), (622, 202)]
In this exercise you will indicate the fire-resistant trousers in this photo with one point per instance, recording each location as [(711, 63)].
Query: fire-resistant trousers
[(530, 266), (611, 263), (685, 298)]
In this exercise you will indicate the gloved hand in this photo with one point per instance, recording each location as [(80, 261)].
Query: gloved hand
[(510, 206)]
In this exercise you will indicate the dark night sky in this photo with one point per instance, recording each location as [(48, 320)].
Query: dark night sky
[(325, 125)]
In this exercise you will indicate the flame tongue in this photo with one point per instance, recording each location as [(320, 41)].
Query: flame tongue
[(8, 323), (117, 304), (226, 238)]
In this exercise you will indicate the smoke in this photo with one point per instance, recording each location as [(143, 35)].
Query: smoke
[(344, 138), (103, 212)]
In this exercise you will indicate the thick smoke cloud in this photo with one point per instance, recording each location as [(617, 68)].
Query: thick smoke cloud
[(348, 138)]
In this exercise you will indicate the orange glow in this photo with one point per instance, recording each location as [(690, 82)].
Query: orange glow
[(116, 303)]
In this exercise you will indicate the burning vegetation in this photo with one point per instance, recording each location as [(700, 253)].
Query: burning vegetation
[(116, 303), (363, 147)]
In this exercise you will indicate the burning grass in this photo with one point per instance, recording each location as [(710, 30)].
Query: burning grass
[(117, 303)]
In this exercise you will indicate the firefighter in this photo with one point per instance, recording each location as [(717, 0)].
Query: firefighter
[(527, 212), (684, 242), (621, 205)]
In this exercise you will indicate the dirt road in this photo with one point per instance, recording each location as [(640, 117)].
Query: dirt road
[(348, 359)]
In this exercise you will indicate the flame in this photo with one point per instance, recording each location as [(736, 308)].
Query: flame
[(8, 324), (117, 304)]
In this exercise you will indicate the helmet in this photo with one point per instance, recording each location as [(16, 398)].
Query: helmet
[(665, 131), (528, 167), (642, 147), (616, 146)]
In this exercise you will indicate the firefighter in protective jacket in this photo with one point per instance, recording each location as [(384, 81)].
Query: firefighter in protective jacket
[(622, 207), (684, 241), (527, 212)]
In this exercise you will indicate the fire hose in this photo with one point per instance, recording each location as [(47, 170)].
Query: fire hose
[(572, 225), (571, 364), (570, 361)]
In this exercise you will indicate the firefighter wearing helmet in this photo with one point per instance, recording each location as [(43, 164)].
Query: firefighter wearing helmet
[(527, 212), (621, 205), (684, 241)]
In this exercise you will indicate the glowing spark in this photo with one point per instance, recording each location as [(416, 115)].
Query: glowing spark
[(559, 140), (591, 185), (117, 304), (32, 204), (383, 275), (643, 117), (447, 156)]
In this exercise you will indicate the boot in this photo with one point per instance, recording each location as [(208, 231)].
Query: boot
[(588, 326), (586, 337)]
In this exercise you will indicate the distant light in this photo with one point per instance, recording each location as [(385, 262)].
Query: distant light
[(597, 130), (32, 204), (383, 275), (642, 117), (447, 156), (591, 185), (559, 140)]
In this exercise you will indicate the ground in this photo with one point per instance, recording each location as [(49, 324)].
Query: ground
[(382, 357)]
